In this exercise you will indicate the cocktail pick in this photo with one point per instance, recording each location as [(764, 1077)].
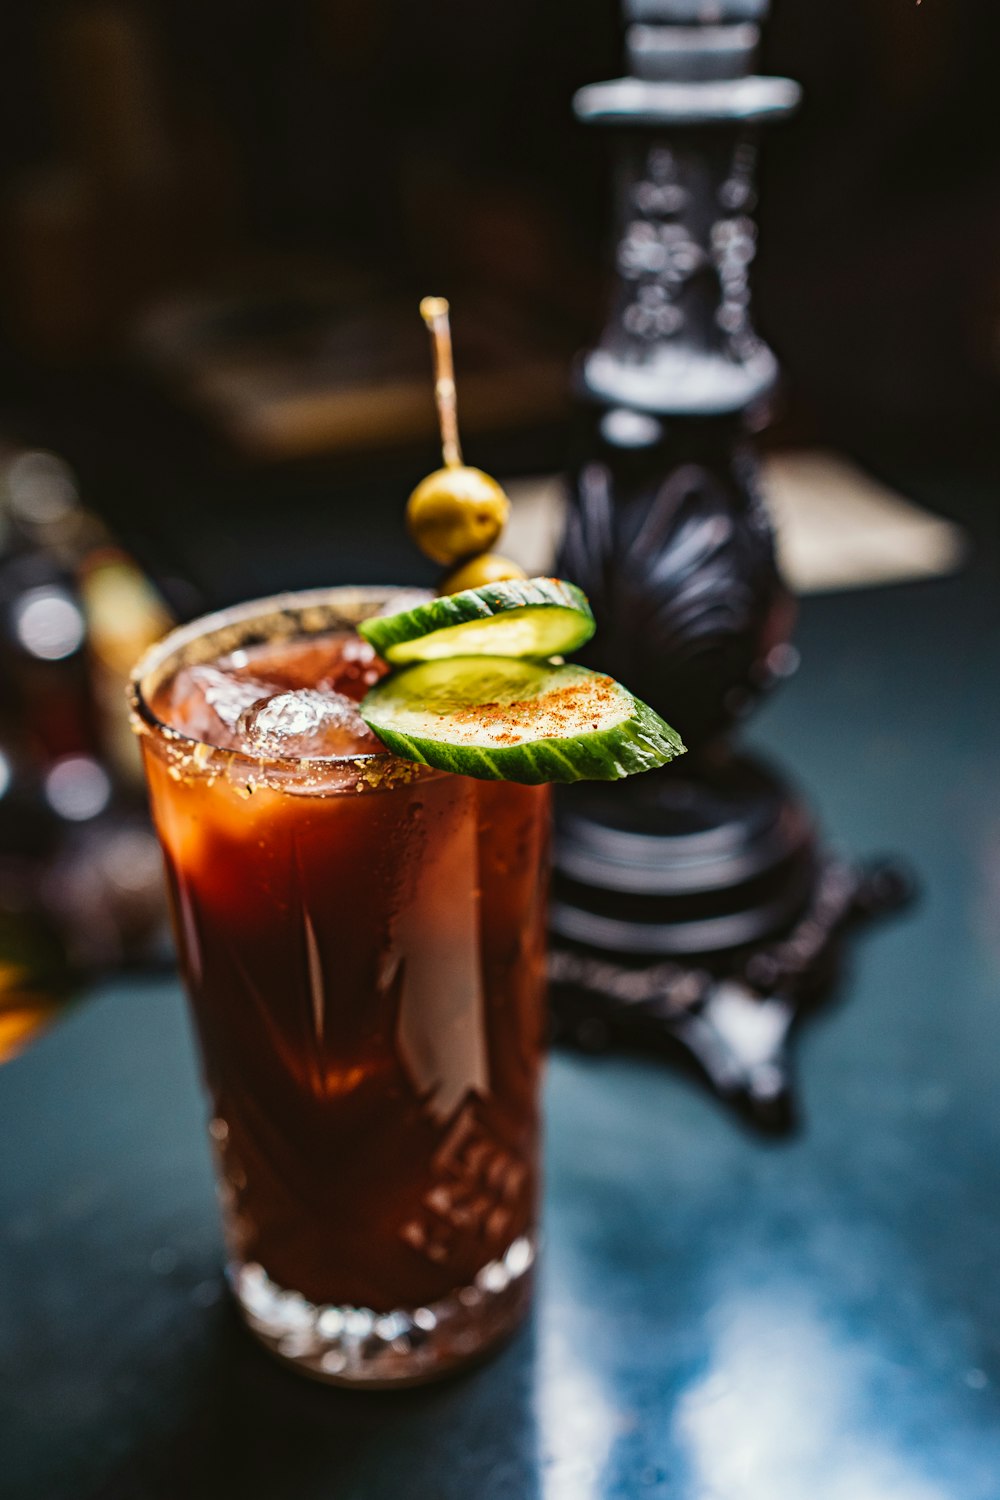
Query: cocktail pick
[(458, 512)]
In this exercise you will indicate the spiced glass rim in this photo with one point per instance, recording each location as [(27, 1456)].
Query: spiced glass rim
[(290, 616)]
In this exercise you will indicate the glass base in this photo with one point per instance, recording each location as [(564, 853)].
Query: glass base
[(356, 1346)]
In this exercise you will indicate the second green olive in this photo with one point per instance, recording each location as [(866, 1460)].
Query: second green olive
[(479, 571)]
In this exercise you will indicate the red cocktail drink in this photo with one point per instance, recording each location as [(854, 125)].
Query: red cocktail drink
[(363, 943)]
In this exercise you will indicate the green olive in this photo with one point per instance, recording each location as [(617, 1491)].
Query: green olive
[(454, 513), (489, 568)]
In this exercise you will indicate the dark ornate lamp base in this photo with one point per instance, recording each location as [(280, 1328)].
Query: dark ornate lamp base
[(693, 908), (704, 917)]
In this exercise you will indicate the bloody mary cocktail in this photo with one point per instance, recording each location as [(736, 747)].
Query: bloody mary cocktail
[(362, 940)]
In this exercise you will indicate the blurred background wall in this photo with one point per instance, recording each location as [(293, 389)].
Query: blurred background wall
[(216, 218)]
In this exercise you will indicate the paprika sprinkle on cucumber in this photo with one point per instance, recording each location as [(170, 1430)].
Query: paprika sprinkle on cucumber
[(503, 719)]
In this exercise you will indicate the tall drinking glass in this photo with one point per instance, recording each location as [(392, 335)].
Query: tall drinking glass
[(363, 943)]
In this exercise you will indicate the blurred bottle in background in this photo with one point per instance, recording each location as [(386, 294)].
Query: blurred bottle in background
[(79, 876)]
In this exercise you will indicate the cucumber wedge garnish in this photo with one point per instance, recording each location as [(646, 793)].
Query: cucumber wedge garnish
[(501, 719), (521, 617)]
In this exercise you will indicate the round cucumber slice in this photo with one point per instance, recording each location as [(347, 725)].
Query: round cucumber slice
[(522, 617), (500, 719)]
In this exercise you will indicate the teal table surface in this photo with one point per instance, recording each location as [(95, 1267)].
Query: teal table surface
[(719, 1317)]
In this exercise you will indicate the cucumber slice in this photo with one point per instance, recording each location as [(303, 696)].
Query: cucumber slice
[(523, 617), (500, 719)]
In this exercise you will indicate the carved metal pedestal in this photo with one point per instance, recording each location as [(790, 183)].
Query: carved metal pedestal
[(691, 906)]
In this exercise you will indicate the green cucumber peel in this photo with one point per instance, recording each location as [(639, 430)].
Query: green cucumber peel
[(533, 618)]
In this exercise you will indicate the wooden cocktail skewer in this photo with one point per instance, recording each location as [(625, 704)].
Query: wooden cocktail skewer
[(434, 311), (457, 513)]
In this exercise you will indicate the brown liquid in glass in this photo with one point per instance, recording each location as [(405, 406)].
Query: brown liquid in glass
[(366, 971)]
